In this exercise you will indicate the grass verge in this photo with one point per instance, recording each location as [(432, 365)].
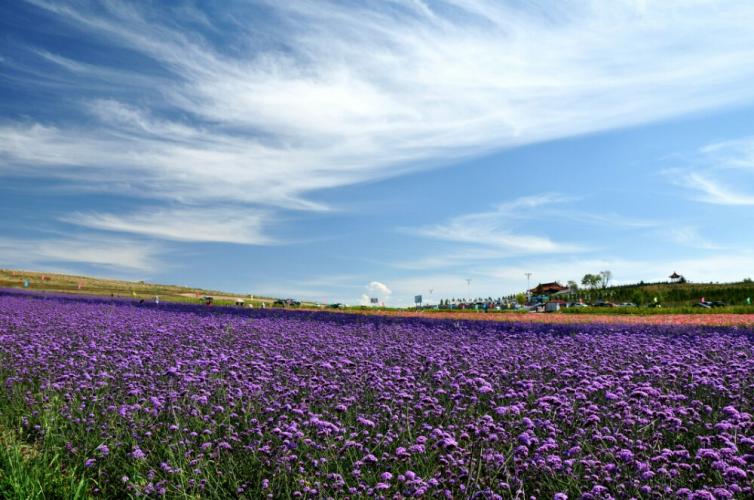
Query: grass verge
[(31, 472)]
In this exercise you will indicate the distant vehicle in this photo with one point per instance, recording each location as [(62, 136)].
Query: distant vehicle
[(577, 304), (627, 304), (710, 303), (601, 303), (286, 303)]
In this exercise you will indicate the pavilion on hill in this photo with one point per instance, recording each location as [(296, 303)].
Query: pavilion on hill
[(676, 278)]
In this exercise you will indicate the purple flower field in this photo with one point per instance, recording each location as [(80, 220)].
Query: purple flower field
[(186, 401)]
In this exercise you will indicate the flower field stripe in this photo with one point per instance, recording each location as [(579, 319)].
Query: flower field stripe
[(185, 401)]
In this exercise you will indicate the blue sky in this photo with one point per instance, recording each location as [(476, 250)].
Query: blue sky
[(334, 150)]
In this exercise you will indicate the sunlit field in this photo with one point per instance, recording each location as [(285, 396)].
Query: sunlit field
[(111, 398)]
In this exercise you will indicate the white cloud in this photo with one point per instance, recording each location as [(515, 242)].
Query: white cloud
[(462, 257), (378, 289), (346, 93), (375, 289), (112, 254), (482, 242), (714, 168), (712, 191), (731, 154), (497, 234), (365, 300), (524, 204), (688, 236), (494, 229), (197, 224)]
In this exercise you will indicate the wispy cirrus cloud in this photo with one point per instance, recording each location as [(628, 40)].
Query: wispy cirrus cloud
[(687, 235), (495, 232), (119, 255), (714, 169), (332, 94), (214, 224), (713, 191), (735, 154), (507, 232)]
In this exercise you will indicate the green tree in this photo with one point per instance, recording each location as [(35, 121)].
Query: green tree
[(591, 280), (605, 277)]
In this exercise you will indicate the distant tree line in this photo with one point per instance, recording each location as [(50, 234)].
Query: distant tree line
[(596, 287)]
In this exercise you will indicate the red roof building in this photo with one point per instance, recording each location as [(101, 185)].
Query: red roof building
[(548, 288)]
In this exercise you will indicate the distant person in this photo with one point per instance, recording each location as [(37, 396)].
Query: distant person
[(157, 299)]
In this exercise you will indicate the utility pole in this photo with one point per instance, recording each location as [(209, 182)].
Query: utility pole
[(528, 284), (468, 288)]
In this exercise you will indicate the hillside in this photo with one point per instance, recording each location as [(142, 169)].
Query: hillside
[(53, 282), (673, 294)]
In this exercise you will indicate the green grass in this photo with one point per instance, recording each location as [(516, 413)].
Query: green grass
[(33, 465), (35, 471)]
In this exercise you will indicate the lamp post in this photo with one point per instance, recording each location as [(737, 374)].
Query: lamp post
[(528, 284), (468, 288)]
